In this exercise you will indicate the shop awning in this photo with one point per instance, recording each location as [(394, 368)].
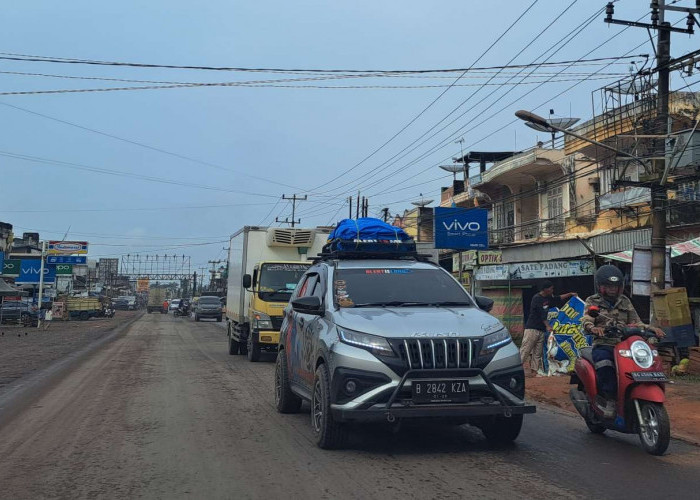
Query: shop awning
[(690, 246), (9, 291)]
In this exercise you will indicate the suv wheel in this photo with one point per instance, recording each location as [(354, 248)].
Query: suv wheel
[(329, 434), (285, 400), (502, 430), (253, 350)]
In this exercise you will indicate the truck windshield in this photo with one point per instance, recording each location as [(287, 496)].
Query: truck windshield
[(397, 288), (278, 281)]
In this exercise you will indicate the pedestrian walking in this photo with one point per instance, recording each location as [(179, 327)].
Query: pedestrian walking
[(537, 327), (48, 317)]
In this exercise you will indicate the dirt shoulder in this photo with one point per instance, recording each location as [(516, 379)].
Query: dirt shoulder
[(682, 402), (25, 350)]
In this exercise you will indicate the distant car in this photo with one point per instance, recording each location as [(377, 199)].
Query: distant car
[(174, 304), (15, 310), (120, 304), (208, 307)]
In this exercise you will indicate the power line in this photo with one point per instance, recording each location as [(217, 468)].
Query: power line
[(425, 109)]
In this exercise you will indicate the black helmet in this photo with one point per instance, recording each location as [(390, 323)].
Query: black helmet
[(609, 275)]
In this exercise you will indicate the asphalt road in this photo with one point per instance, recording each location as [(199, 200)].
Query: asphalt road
[(164, 412)]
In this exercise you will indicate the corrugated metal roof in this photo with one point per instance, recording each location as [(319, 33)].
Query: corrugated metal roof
[(573, 248)]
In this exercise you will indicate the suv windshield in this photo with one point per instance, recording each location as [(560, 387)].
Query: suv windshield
[(278, 281), (397, 288)]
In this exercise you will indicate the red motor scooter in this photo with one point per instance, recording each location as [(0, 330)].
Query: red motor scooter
[(640, 390)]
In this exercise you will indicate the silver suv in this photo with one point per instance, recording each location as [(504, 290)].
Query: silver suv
[(390, 339)]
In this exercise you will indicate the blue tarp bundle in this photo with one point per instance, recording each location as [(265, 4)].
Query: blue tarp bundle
[(369, 235)]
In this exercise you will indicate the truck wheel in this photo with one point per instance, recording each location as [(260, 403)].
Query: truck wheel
[(233, 346), (148, 311), (218, 320), (285, 400), (502, 430), (253, 350), (84, 316), (196, 317), (328, 433), (656, 434)]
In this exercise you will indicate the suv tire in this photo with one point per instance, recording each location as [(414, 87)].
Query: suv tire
[(285, 400), (328, 433), (233, 346), (502, 430)]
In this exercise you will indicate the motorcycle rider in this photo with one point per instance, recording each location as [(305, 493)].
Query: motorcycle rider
[(609, 307)]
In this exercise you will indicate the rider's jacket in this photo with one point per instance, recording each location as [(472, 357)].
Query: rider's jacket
[(622, 313)]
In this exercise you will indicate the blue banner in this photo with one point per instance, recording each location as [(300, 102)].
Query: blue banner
[(66, 259), (461, 228), (566, 340), (2, 261), (30, 270)]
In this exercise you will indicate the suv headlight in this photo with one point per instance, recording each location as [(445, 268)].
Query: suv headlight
[(641, 354), (494, 341), (373, 343), (261, 321)]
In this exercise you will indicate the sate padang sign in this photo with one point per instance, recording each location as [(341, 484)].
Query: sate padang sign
[(461, 228)]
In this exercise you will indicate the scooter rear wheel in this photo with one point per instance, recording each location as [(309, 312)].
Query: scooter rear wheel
[(655, 434), (595, 427)]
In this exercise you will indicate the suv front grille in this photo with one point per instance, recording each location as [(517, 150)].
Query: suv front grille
[(276, 322), (428, 354)]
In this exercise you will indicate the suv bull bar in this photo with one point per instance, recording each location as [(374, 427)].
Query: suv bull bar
[(499, 407)]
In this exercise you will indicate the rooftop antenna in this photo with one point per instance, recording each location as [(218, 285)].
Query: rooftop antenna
[(422, 202), (557, 122)]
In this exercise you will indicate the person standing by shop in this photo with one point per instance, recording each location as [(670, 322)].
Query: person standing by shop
[(537, 327)]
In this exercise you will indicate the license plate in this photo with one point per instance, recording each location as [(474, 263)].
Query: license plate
[(440, 391), (649, 376)]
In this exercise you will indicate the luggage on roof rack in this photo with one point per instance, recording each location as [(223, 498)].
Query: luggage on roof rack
[(368, 238)]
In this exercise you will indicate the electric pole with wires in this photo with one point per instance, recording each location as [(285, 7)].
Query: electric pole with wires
[(663, 127), (294, 200)]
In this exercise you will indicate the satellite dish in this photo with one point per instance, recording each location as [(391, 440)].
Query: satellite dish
[(557, 122), (422, 202), (453, 168)]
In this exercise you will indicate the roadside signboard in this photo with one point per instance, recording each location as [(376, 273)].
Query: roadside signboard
[(490, 257), (2, 260), (66, 259), (10, 268), (142, 285), (461, 228), (64, 269), (68, 247), (30, 269), (551, 269), (564, 344)]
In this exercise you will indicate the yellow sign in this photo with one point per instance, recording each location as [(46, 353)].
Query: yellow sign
[(142, 285), (490, 257)]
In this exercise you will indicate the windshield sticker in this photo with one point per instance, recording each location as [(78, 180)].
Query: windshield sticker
[(388, 271), (286, 267), (341, 294)]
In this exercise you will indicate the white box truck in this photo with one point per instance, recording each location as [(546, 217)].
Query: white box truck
[(264, 267)]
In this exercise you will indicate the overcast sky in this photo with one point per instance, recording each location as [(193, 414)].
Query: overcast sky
[(251, 145)]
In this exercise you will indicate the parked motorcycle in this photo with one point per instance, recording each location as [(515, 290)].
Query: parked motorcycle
[(640, 390), (181, 311)]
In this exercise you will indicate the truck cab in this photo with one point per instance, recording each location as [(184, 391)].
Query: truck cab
[(265, 265)]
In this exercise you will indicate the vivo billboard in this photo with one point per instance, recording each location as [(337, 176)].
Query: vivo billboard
[(30, 270), (461, 228)]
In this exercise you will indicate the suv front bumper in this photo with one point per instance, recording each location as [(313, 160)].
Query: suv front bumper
[(499, 402)]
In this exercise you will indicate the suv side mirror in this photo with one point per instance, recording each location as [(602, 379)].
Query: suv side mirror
[(308, 305), (247, 281), (484, 303)]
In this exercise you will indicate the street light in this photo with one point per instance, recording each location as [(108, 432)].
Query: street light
[(529, 117)]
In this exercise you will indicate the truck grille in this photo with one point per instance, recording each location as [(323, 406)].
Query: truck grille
[(276, 322), (426, 354)]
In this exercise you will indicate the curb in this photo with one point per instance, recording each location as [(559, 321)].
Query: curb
[(553, 404), (22, 392)]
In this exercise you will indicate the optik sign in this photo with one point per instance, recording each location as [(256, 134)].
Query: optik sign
[(461, 228)]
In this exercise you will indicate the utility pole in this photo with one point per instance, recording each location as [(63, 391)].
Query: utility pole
[(350, 206), (294, 200), (659, 197), (41, 280), (385, 214), (357, 208)]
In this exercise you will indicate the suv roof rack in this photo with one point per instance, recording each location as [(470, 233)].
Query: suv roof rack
[(364, 249)]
